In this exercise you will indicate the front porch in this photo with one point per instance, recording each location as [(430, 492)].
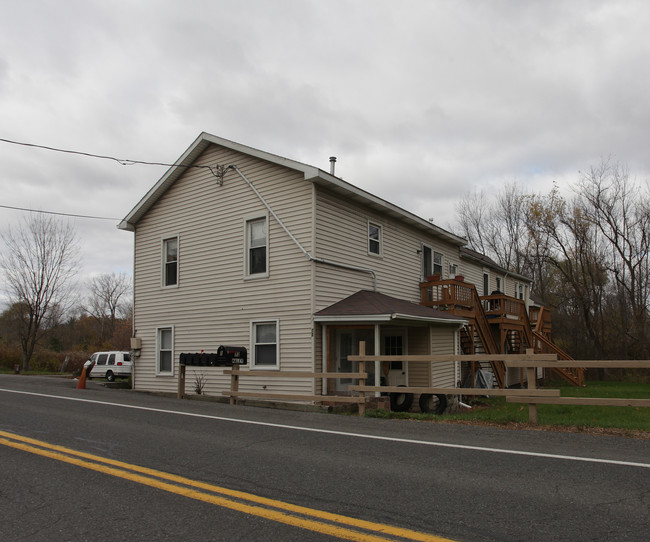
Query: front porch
[(388, 326)]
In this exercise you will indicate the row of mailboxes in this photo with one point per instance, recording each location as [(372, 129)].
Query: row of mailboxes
[(226, 356)]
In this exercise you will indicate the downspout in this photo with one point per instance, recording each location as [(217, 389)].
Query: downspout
[(303, 250)]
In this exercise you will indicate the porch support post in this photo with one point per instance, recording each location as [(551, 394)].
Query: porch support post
[(362, 381), (377, 352), (325, 348)]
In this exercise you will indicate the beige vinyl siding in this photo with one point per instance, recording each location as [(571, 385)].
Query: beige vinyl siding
[(341, 236), (418, 344), (473, 274), (213, 303), (442, 342)]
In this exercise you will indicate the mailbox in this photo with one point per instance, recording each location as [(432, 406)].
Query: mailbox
[(226, 356), (231, 355)]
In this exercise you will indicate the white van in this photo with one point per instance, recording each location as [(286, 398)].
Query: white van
[(110, 365)]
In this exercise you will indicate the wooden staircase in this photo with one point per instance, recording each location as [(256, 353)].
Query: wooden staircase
[(497, 324)]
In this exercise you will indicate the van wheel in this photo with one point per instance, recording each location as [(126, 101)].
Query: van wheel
[(110, 376), (433, 404), (401, 402)]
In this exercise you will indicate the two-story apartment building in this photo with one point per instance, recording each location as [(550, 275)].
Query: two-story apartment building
[(237, 246)]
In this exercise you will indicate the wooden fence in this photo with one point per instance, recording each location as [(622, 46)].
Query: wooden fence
[(529, 361), (236, 374), (447, 358), (533, 399)]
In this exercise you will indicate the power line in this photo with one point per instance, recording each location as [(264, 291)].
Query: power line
[(121, 161), (60, 214)]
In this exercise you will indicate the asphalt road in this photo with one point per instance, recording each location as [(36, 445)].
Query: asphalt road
[(459, 482)]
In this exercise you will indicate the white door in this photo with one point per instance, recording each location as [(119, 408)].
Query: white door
[(393, 343)]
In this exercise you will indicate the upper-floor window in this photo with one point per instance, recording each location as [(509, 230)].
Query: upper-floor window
[(437, 263), (265, 345), (453, 270), (170, 261), (374, 239), (257, 247), (498, 284), (431, 262)]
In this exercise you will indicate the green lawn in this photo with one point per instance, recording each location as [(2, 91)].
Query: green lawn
[(496, 410)]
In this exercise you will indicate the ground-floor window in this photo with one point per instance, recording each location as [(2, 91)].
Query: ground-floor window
[(165, 351), (265, 344)]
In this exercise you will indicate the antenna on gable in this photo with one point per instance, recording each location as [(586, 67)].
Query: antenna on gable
[(219, 172)]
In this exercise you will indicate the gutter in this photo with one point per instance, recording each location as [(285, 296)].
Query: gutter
[(302, 249)]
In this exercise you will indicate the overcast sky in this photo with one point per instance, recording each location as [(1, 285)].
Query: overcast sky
[(421, 101)]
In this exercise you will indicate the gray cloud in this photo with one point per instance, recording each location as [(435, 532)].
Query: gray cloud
[(421, 101)]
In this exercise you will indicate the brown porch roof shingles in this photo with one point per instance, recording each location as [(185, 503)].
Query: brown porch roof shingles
[(367, 303)]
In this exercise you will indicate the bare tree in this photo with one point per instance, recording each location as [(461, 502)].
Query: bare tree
[(109, 300), (39, 263), (496, 227), (620, 209), (472, 214), (578, 256)]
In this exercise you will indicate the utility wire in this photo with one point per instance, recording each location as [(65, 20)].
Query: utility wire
[(121, 161), (60, 214)]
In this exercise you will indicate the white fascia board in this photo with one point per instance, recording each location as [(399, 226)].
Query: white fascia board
[(428, 319), (188, 157), (324, 178), (354, 318), (387, 318)]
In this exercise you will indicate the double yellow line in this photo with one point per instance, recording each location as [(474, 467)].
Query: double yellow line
[(290, 514)]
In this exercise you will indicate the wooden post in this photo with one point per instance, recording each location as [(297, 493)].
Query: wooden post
[(362, 381), (181, 382), (531, 375), (234, 383), (473, 371)]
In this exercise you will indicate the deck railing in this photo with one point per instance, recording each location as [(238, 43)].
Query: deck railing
[(508, 312), (540, 319)]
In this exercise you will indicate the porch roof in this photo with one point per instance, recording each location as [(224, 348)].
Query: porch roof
[(368, 306)]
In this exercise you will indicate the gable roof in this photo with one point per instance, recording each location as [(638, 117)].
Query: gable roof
[(311, 173), (368, 306)]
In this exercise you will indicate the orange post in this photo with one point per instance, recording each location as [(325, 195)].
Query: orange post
[(81, 385)]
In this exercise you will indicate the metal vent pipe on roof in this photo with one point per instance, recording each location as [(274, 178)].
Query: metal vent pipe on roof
[(332, 164)]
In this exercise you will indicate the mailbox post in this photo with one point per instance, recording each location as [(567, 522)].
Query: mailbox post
[(226, 356)]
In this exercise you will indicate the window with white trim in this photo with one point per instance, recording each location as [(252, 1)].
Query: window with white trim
[(265, 346), (170, 261), (257, 247), (437, 264), (165, 351), (374, 239), (453, 270)]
